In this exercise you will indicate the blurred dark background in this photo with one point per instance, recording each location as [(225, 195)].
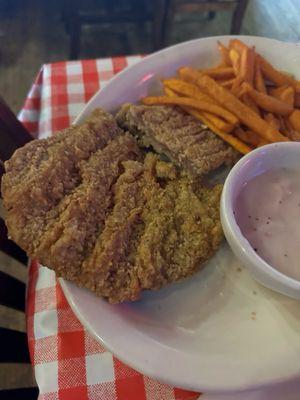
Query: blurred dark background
[(34, 32)]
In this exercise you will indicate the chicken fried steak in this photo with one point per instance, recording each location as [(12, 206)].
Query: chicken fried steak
[(89, 204), (178, 135), (158, 231)]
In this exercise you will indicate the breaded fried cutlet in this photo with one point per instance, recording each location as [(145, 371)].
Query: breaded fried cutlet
[(90, 204), (158, 231), (178, 135), (40, 175)]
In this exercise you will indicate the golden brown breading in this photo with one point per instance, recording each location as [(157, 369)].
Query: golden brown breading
[(90, 205), (40, 174), (81, 215), (157, 232)]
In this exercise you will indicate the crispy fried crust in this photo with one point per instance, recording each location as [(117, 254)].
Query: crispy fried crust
[(89, 204), (158, 232), (178, 135), (40, 174)]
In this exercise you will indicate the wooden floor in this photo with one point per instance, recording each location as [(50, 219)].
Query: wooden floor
[(33, 34)]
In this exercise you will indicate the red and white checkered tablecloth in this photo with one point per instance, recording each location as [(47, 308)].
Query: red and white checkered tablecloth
[(68, 363)]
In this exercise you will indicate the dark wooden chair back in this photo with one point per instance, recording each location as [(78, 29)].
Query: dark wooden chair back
[(77, 14), (13, 343), (210, 7)]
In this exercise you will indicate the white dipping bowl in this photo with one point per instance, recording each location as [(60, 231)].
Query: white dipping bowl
[(263, 159)]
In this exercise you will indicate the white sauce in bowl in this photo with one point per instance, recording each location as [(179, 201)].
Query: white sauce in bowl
[(267, 210)]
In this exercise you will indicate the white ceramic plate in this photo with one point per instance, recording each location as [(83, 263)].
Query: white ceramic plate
[(218, 331)]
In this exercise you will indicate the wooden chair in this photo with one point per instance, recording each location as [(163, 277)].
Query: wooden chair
[(115, 14), (13, 343), (210, 7)]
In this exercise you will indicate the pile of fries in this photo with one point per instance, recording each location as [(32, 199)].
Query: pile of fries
[(244, 100)]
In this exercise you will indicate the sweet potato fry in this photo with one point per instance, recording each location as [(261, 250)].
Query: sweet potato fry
[(189, 74), (169, 92), (247, 65), (213, 123), (283, 127), (233, 141), (277, 91), (261, 97), (237, 45), (235, 61), (240, 92), (244, 113), (249, 101), (294, 120), (219, 72), (211, 120), (288, 96), (288, 124), (236, 88), (297, 99), (173, 87), (284, 93), (187, 89), (227, 83), (224, 52), (278, 77), (259, 82), (218, 122), (194, 103), (249, 137), (268, 103), (261, 141), (290, 131), (294, 135), (272, 120)]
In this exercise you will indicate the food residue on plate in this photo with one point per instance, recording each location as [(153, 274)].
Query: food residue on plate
[(253, 315)]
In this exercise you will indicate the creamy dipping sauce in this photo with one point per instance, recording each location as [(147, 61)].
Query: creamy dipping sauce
[(267, 210)]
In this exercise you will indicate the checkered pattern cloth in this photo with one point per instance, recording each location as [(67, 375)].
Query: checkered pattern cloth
[(68, 363)]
